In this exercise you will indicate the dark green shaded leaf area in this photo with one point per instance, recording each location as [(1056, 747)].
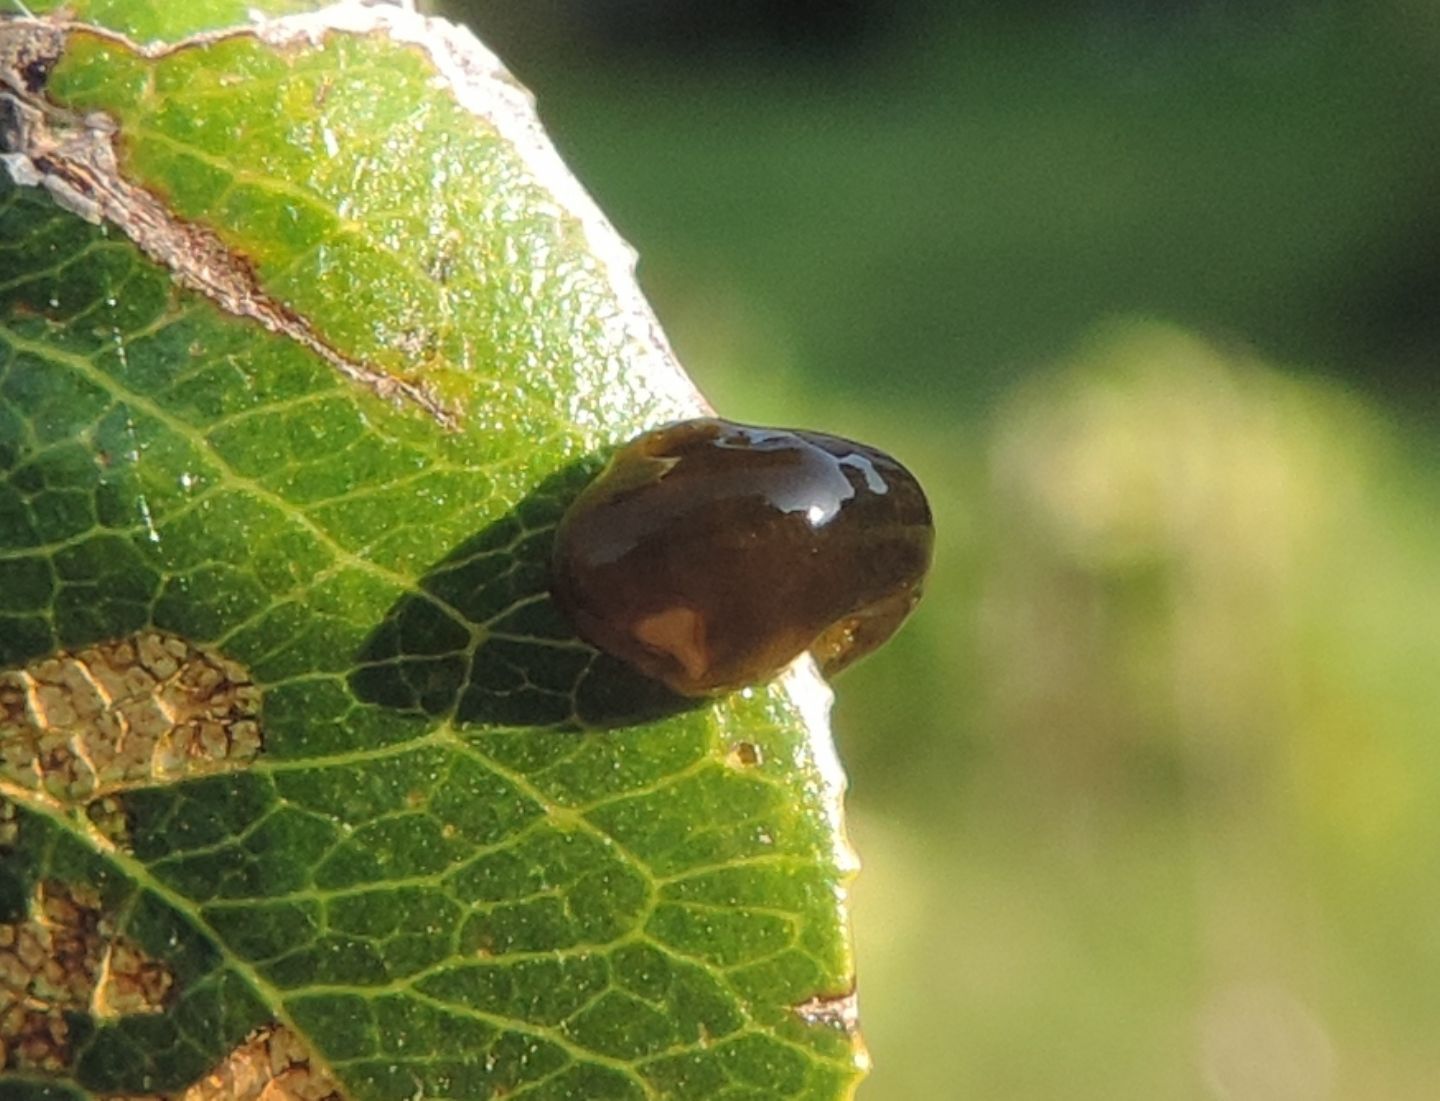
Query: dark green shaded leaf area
[(470, 858)]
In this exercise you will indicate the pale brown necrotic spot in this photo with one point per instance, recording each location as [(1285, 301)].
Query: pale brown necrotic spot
[(146, 709), (273, 1064), (65, 958)]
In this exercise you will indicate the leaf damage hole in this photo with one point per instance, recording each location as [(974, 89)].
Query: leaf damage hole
[(835, 1011), (66, 957), (150, 708), (745, 755)]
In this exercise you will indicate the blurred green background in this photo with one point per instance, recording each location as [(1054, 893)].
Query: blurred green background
[(1148, 792)]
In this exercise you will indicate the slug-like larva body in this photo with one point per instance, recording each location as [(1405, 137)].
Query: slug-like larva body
[(709, 555)]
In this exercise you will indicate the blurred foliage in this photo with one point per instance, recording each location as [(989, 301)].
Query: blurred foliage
[(1147, 792)]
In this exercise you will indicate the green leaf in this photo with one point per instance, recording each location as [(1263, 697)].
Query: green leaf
[(306, 339)]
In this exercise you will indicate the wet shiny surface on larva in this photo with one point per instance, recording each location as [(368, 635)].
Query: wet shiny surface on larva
[(709, 554)]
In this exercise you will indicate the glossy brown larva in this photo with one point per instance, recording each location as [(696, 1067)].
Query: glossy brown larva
[(709, 554)]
